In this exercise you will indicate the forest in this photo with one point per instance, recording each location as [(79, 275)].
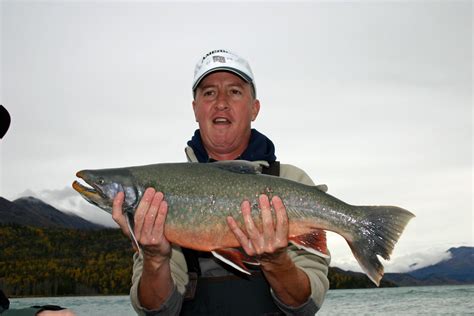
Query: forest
[(58, 261)]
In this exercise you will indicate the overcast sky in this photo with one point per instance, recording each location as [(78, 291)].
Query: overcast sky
[(372, 98)]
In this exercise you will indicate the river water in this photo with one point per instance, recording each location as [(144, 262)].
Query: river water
[(425, 300)]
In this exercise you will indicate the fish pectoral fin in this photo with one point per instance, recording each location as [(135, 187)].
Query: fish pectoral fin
[(246, 258), (314, 242), (232, 257)]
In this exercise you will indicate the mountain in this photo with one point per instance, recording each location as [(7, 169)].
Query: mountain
[(342, 279), (30, 211), (459, 269)]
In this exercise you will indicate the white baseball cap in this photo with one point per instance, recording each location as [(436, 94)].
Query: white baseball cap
[(218, 60)]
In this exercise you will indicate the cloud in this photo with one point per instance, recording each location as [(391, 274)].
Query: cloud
[(418, 260), (58, 194), (401, 264), (402, 260), (68, 201)]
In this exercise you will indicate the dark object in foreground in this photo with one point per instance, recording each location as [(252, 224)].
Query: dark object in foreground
[(33, 310), (4, 121)]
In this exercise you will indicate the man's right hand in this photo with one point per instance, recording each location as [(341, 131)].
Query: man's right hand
[(150, 217), (156, 284)]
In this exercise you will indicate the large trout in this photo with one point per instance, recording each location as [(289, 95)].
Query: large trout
[(201, 196)]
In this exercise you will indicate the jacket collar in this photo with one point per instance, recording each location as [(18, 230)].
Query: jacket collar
[(260, 148)]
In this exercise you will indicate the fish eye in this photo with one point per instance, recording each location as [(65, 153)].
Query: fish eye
[(101, 181)]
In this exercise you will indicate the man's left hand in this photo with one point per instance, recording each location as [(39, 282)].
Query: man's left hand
[(268, 243)]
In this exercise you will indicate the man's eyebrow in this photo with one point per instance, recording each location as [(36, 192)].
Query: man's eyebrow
[(238, 84), (205, 86), (231, 84)]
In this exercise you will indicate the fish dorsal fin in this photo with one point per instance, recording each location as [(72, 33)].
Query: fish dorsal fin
[(241, 166), (322, 187)]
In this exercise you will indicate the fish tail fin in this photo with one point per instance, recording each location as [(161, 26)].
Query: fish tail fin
[(379, 232)]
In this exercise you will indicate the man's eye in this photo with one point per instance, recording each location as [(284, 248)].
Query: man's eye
[(236, 91), (208, 93)]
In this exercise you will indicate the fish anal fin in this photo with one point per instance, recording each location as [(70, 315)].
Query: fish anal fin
[(233, 257), (314, 242)]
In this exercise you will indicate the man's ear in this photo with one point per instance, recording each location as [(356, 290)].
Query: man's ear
[(194, 110), (255, 109)]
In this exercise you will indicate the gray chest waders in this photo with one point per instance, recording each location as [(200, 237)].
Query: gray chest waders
[(228, 295)]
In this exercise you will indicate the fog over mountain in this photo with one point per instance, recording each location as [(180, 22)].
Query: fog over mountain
[(69, 201)]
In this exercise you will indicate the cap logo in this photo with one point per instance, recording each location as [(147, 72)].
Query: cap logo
[(215, 51), (219, 59)]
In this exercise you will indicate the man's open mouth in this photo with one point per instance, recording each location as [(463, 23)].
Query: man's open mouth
[(221, 121)]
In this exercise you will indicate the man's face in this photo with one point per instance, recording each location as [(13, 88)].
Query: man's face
[(224, 108)]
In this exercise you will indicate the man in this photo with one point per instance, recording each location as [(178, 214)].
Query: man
[(290, 280)]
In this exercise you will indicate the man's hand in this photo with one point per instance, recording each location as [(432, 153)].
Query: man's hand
[(150, 217), (269, 244), (156, 283)]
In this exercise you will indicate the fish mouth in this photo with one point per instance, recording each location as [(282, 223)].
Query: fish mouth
[(90, 191)]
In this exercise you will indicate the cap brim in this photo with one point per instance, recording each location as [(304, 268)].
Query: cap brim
[(233, 70)]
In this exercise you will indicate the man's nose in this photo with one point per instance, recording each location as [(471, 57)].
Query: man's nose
[(221, 102)]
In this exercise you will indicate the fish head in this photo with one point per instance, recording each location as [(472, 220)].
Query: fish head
[(103, 185)]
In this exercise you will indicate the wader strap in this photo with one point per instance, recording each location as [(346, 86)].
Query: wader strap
[(192, 260), (273, 169)]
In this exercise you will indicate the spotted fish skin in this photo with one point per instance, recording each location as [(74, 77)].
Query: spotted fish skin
[(201, 196)]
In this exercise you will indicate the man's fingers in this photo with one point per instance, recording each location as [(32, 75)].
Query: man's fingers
[(151, 214), (252, 230), (282, 226), (117, 213), (158, 229), (142, 209), (161, 216), (267, 221), (153, 239), (240, 236), (257, 242)]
